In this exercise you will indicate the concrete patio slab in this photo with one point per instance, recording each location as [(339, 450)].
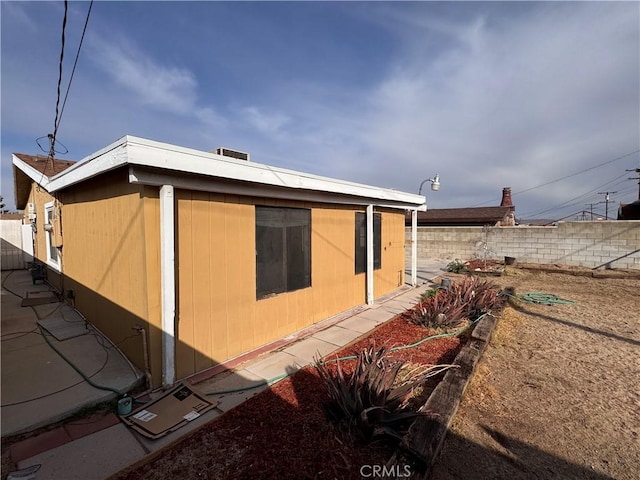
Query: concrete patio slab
[(310, 348), (248, 384), (359, 324), (378, 315), (338, 335), (276, 364), (93, 457), (38, 386)]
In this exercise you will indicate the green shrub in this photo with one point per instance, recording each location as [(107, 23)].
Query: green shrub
[(456, 266)]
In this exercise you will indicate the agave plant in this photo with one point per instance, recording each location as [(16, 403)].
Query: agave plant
[(478, 296), (371, 399), (443, 310)]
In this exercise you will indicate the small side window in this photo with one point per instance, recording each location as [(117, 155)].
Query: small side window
[(361, 242)]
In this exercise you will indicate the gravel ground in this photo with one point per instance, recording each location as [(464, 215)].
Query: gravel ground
[(557, 393)]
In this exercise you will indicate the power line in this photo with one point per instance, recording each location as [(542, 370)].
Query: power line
[(52, 138), (567, 176), (73, 70), (567, 203)]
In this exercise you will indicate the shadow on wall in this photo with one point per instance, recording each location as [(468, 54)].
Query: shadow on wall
[(13, 257)]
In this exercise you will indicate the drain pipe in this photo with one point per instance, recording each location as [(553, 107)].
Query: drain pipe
[(147, 372)]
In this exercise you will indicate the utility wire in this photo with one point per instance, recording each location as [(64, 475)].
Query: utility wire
[(52, 138), (567, 176), (73, 70), (567, 203)]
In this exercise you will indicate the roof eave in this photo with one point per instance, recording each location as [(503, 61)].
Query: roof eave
[(134, 151)]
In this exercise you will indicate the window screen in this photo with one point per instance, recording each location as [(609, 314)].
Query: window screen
[(361, 242), (283, 250)]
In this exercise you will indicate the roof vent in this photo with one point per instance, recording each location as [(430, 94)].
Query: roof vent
[(227, 152)]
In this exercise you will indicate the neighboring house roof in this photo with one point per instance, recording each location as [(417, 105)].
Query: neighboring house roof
[(629, 211), (463, 216), (34, 168), (155, 163), (11, 216)]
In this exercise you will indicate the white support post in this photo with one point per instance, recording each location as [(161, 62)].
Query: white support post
[(168, 283), (414, 247), (369, 254)]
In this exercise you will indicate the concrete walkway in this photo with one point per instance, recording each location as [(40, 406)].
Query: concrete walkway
[(105, 451), (38, 386)]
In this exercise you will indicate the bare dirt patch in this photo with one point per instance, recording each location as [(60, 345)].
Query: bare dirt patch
[(557, 393)]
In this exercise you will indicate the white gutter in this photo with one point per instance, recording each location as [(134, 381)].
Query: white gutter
[(147, 153), (168, 283), (369, 255), (414, 247)]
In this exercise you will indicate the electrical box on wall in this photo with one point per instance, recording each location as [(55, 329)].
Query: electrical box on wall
[(56, 238)]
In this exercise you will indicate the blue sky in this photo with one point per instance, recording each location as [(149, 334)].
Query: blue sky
[(385, 93)]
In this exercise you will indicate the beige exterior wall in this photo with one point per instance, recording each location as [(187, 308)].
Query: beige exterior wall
[(40, 197), (111, 261), (391, 275), (218, 314)]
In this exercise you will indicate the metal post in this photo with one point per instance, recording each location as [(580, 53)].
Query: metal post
[(369, 254), (414, 247)]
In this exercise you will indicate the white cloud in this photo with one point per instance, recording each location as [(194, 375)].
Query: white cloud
[(267, 123), (164, 87)]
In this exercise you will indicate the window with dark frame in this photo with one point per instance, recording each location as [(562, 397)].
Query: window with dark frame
[(361, 242), (283, 250)]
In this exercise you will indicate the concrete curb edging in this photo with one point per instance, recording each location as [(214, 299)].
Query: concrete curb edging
[(426, 435)]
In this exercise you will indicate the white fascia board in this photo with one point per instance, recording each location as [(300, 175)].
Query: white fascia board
[(138, 151), (31, 172), (110, 157), (145, 176), (153, 154)]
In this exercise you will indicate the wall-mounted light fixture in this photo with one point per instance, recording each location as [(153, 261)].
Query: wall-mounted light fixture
[(435, 184)]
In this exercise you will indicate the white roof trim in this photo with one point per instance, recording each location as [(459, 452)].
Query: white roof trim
[(147, 153), (30, 172)]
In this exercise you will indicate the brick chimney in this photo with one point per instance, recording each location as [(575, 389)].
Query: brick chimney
[(506, 197)]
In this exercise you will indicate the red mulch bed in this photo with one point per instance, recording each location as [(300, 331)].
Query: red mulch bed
[(283, 432)]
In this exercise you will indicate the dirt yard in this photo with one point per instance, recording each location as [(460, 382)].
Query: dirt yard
[(557, 393)]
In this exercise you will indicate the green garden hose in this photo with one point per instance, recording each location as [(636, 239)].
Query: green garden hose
[(544, 299)]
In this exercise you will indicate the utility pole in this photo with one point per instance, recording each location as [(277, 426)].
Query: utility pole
[(637, 170), (606, 201), (590, 205)]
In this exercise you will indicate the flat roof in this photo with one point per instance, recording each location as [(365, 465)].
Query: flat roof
[(143, 155)]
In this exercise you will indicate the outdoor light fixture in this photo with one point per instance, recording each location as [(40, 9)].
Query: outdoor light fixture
[(435, 184)]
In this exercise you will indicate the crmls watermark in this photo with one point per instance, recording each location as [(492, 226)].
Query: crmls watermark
[(384, 471)]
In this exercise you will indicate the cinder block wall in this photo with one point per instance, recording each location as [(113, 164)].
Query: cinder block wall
[(609, 244)]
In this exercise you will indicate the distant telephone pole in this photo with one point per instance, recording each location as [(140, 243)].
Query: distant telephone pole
[(637, 170), (590, 205), (606, 201)]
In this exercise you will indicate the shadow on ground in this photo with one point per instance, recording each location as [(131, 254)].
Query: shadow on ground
[(511, 460)]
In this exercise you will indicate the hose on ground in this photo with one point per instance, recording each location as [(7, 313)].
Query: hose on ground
[(543, 298), (350, 357)]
